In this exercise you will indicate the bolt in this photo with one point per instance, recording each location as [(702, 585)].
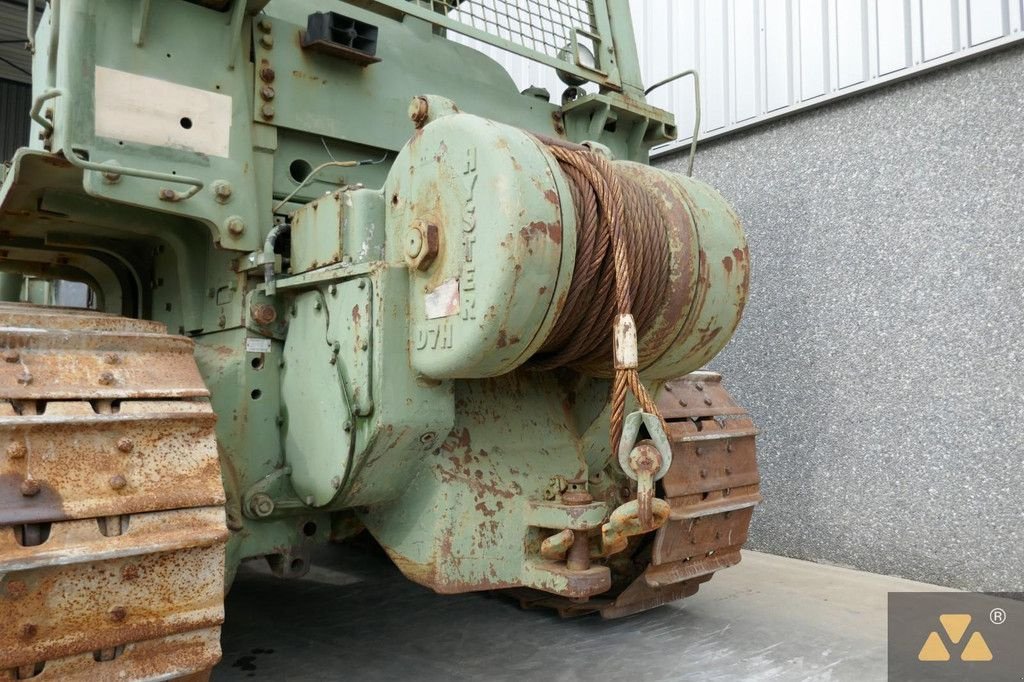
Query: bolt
[(682, 403), (111, 177), (11, 356), (707, 400), (125, 444), (235, 225), (699, 385), (29, 630), (17, 450), (263, 313), (728, 471), (117, 482), (267, 111), (701, 451), (362, 284), (267, 41), (111, 358), (25, 378), (336, 482), (267, 74), (16, 589), (419, 108), (317, 305), (30, 487), (364, 345), (117, 614), (414, 243), (168, 194), (222, 191), (264, 25), (703, 473), (347, 426), (107, 378), (261, 505), (267, 92)]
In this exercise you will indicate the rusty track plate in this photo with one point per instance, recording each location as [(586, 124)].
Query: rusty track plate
[(112, 526)]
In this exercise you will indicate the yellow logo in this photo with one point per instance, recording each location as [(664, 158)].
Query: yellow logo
[(955, 625)]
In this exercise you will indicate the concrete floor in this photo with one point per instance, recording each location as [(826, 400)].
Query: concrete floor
[(355, 617)]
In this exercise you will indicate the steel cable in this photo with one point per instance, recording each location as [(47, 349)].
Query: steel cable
[(622, 268)]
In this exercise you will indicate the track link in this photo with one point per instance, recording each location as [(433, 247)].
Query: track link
[(712, 487), (112, 525)]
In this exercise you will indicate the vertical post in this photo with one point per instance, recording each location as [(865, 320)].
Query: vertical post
[(624, 40)]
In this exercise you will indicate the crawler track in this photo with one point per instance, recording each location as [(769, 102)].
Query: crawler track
[(112, 527), (712, 487)]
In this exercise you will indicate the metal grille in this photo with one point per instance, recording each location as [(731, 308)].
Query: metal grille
[(545, 27)]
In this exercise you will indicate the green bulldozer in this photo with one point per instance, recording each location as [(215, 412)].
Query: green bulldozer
[(344, 277)]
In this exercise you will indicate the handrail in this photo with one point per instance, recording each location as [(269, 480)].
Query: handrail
[(696, 99)]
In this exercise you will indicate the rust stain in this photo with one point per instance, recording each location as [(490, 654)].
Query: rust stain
[(355, 314), (727, 264)]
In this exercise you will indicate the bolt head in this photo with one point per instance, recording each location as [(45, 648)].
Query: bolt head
[(111, 178), (16, 450), (267, 111), (422, 244), (118, 613), (261, 505), (267, 41), (11, 356), (111, 358), (235, 226), (125, 444), (263, 313), (117, 482), (267, 74), (267, 92), (168, 194), (30, 487), (222, 190), (106, 378)]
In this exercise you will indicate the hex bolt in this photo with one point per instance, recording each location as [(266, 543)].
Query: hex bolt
[(261, 505), (16, 450), (11, 356), (267, 93), (235, 226), (422, 244), (106, 378), (578, 556), (267, 74), (707, 400), (118, 613), (222, 191), (30, 487), (168, 194), (414, 243), (267, 41), (111, 177), (419, 109), (117, 482), (125, 444), (267, 111)]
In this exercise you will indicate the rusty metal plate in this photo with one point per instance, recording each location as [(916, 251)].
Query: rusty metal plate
[(711, 455), (27, 315), (151, 455), (87, 605)]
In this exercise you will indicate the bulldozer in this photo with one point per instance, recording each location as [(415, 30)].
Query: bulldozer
[(345, 277)]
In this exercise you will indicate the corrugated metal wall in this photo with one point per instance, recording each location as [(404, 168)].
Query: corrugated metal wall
[(15, 104), (764, 58)]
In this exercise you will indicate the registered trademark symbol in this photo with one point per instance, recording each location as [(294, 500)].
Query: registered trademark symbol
[(997, 616)]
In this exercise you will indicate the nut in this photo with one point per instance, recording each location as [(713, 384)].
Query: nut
[(419, 109), (267, 74), (267, 92), (422, 244)]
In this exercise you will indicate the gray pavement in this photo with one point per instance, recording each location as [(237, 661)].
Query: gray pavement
[(355, 617)]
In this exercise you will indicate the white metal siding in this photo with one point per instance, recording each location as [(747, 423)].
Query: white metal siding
[(764, 58)]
